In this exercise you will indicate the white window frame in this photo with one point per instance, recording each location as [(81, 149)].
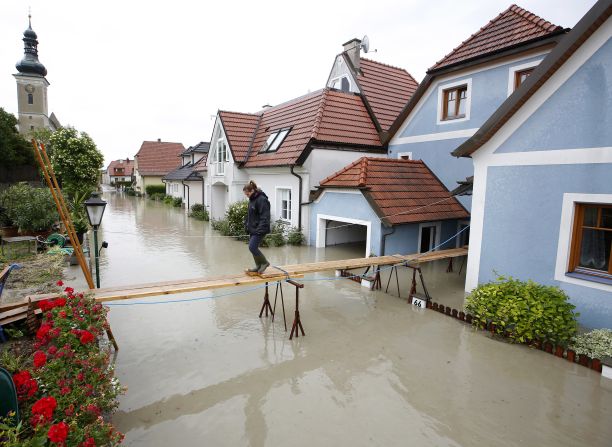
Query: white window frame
[(512, 72), (438, 226), (279, 203), (220, 164), (404, 154), (565, 238), (339, 78), (468, 101)]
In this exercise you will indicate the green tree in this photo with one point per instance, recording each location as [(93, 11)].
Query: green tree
[(76, 160), (14, 149)]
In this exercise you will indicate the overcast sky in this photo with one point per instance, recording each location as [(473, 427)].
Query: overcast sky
[(128, 71)]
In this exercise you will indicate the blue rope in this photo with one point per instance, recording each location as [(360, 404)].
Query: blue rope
[(328, 278)]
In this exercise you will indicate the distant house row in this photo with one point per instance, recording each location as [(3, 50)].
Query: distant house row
[(523, 105)]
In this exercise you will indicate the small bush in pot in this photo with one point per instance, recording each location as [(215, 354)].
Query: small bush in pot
[(524, 310)]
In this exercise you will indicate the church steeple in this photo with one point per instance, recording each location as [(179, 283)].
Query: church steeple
[(30, 64)]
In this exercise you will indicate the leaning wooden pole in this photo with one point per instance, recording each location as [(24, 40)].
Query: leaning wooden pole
[(71, 229), (62, 210)]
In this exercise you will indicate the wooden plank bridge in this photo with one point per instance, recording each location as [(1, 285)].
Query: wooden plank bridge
[(11, 312)]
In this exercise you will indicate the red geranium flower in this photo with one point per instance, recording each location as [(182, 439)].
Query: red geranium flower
[(69, 290), (86, 337), (60, 283), (62, 314), (59, 302), (52, 350), (43, 330), (70, 410), (65, 390), (25, 384), (44, 407), (91, 408), (40, 358), (58, 433), (89, 442)]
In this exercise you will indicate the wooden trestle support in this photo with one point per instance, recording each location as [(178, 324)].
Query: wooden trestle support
[(267, 309)]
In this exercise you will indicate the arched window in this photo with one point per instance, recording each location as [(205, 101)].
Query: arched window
[(30, 98)]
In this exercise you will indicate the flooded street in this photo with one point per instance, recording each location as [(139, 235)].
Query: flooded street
[(371, 369)]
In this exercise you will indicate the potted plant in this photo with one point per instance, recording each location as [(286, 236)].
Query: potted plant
[(7, 227), (31, 209)]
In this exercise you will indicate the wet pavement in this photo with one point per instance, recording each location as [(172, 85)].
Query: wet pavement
[(371, 369)]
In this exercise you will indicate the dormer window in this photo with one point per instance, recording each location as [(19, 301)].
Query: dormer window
[(342, 83), (275, 139)]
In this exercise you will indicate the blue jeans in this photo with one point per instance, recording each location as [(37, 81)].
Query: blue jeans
[(254, 242)]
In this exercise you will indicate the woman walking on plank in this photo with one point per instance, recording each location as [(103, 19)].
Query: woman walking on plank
[(257, 224)]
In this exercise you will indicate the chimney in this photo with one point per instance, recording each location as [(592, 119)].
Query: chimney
[(159, 140), (352, 48)]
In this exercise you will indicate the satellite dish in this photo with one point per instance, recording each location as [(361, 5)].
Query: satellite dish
[(365, 44)]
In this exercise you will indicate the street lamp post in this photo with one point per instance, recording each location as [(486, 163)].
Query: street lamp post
[(95, 210)]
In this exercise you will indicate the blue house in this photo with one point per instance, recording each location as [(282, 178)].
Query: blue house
[(542, 187), (390, 206), (461, 91)]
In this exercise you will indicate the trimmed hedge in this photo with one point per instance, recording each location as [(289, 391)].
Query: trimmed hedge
[(524, 310), (152, 189)]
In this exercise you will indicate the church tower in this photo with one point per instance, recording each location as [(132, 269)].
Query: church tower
[(32, 87)]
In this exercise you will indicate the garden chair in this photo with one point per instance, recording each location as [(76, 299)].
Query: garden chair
[(3, 278), (8, 396)]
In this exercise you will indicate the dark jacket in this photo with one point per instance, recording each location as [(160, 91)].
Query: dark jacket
[(258, 217)]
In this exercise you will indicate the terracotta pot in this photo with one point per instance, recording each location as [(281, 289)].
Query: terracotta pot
[(583, 359), (462, 316), (454, 313), (9, 231), (559, 351), (548, 347), (596, 365), (429, 305), (435, 306), (448, 311), (571, 355), (537, 344), (492, 327)]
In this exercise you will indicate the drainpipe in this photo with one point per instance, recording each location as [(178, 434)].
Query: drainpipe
[(384, 241), (299, 196), (188, 190)]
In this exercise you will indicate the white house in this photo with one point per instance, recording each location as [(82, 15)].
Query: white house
[(288, 149), (186, 181)]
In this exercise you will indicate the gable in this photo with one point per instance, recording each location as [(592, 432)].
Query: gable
[(574, 116), (341, 70)]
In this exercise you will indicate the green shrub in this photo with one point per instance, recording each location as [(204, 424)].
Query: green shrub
[(276, 238), (236, 215), (199, 212), (157, 196), (177, 202), (130, 191), (222, 226), (31, 209), (152, 189), (295, 237), (168, 200), (596, 344), (524, 311)]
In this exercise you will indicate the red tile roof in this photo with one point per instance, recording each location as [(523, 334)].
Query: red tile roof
[(126, 164), (513, 26), (325, 116), (401, 191), (387, 89), (158, 157), (239, 128)]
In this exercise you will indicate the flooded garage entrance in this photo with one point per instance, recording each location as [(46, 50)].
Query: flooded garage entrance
[(334, 231)]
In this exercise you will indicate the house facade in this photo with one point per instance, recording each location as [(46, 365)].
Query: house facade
[(186, 181), (288, 149), (120, 172), (542, 187), (461, 91), (154, 160), (390, 206)]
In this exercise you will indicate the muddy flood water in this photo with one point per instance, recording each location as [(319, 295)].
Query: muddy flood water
[(371, 370)]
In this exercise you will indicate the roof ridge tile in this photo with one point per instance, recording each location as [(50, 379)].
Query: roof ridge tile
[(319, 117), (363, 174)]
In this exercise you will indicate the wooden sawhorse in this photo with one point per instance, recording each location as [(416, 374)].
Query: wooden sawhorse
[(267, 307)]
